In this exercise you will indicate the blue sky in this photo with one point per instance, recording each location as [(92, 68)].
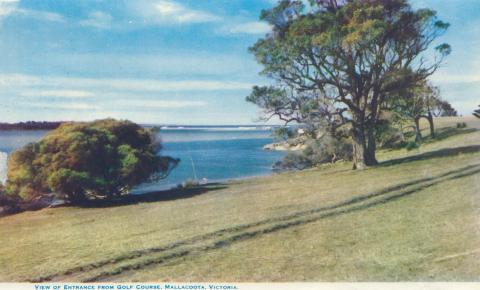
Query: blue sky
[(168, 61)]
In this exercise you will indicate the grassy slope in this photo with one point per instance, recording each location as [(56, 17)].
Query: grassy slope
[(411, 220)]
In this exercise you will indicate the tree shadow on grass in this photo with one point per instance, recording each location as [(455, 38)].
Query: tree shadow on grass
[(224, 237), (445, 133), (248, 232), (447, 152), (167, 195)]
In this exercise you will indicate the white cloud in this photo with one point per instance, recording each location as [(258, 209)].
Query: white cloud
[(60, 106), (7, 7), (254, 27), (10, 7), (26, 97), (159, 104), (445, 78), (169, 12), (169, 86), (16, 79), (69, 94), (98, 19), (173, 11), (41, 15), (183, 64), (145, 85)]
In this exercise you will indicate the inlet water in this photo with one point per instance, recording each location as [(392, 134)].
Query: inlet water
[(210, 153)]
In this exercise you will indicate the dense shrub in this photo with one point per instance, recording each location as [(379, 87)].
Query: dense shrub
[(412, 145), (324, 150), (461, 125), (293, 161), (81, 161), (387, 135), (8, 203), (283, 133)]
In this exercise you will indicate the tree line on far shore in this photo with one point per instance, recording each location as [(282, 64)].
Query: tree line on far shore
[(30, 125)]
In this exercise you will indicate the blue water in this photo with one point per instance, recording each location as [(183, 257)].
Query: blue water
[(211, 154)]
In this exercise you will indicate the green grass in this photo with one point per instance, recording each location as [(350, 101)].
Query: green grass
[(416, 217)]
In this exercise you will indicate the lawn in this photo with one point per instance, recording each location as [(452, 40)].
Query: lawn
[(415, 217)]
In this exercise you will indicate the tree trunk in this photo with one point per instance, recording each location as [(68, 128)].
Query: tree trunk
[(402, 135), (359, 148), (363, 148), (432, 126), (418, 133), (370, 157)]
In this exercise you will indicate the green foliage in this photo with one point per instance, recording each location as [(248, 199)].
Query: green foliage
[(324, 150), (412, 145), (80, 161), (444, 109), (283, 133), (9, 203), (336, 63), (461, 125), (414, 101), (387, 135), (2, 190)]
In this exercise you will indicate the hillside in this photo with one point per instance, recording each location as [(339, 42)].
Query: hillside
[(413, 218)]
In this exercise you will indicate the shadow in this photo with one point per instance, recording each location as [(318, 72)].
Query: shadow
[(433, 154), (355, 208), (240, 236), (445, 133), (230, 235), (440, 134), (166, 195)]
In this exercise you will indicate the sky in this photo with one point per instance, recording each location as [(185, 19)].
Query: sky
[(169, 61)]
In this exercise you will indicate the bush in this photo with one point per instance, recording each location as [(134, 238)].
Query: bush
[(85, 161), (283, 133), (293, 161), (412, 145), (387, 136), (461, 125), (9, 204), (325, 150)]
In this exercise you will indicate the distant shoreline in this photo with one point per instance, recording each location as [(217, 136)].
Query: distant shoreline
[(45, 125), (30, 126)]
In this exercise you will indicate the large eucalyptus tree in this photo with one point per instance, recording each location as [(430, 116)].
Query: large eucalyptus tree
[(337, 62)]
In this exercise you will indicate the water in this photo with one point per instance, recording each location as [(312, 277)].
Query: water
[(12, 140), (210, 153)]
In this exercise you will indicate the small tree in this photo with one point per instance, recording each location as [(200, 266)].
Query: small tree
[(415, 103), (421, 101), (444, 109), (81, 161)]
